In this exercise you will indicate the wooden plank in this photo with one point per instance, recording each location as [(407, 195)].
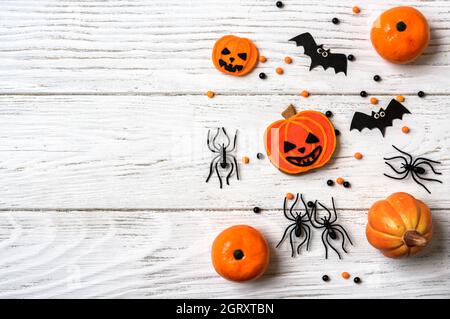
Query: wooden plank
[(147, 46), (166, 255), (150, 152)]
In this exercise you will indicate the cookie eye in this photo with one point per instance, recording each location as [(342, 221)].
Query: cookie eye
[(376, 116), (243, 56), (288, 146), (225, 51), (324, 54), (311, 139), (319, 50), (382, 114)]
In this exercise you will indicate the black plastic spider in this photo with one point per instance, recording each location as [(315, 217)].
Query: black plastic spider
[(298, 227), (224, 158), (330, 228), (413, 166)]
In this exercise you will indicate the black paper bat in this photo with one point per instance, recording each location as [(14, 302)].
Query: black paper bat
[(381, 119), (320, 56)]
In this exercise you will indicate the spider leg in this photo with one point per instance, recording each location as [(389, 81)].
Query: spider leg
[(228, 138), (307, 230), (395, 157), (403, 152), (343, 240), (211, 167), (234, 142), (285, 210), (208, 142), (427, 179), (393, 168), (292, 242), (218, 174), (418, 182), (292, 206), (328, 242), (284, 235), (303, 241), (229, 174), (214, 140), (237, 170), (431, 166), (334, 210), (314, 218), (425, 159), (328, 211), (345, 232), (304, 204), (393, 177), (325, 244)]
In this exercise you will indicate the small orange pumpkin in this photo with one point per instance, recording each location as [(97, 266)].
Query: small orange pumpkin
[(240, 253), (301, 142), (399, 226), (235, 56), (400, 34)]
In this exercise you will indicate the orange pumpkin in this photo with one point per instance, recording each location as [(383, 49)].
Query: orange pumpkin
[(235, 56), (400, 34), (301, 142), (399, 226), (240, 253)]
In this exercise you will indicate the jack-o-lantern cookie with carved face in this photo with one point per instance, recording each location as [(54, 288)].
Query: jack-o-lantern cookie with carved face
[(301, 142), (235, 56)]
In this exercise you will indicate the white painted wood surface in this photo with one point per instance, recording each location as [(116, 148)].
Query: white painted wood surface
[(102, 147)]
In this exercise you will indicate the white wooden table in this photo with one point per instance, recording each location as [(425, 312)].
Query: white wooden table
[(103, 160)]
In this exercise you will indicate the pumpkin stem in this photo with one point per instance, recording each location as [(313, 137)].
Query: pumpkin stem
[(289, 112), (412, 238)]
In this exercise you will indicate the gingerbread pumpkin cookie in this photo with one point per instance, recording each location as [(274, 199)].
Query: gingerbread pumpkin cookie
[(301, 142), (400, 34), (235, 56)]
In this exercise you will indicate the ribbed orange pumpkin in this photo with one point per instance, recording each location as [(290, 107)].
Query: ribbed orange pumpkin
[(301, 142), (235, 56), (399, 226)]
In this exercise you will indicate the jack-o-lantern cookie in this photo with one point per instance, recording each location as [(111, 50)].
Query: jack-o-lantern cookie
[(301, 142), (400, 34), (235, 56)]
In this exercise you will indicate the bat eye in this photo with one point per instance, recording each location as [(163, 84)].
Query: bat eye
[(376, 116), (324, 54), (319, 50), (382, 114)]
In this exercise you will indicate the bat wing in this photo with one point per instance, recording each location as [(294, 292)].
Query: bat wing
[(338, 62), (307, 42), (361, 121), (395, 110)]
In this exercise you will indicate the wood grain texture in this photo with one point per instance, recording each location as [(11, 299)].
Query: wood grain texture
[(147, 46), (103, 158), (136, 152), (167, 255)]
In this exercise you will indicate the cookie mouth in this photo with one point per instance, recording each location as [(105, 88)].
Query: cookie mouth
[(307, 160), (230, 67)]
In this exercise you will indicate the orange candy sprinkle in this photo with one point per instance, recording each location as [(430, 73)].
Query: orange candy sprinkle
[(279, 70), (345, 275), (290, 196), (358, 155), (262, 59), (340, 180), (405, 129), (210, 94), (245, 160), (304, 93), (400, 98), (356, 9), (374, 100), (288, 60)]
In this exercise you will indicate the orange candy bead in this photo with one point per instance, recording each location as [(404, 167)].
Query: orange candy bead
[(340, 180), (373, 100), (358, 155), (288, 60), (279, 70), (304, 93), (290, 196), (405, 129), (210, 94)]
